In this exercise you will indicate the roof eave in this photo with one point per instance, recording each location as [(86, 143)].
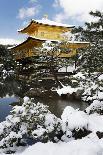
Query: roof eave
[(34, 21)]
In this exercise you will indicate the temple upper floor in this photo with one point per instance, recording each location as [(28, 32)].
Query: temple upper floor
[(47, 29)]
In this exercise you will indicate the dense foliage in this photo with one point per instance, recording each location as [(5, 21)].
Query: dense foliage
[(30, 120), (6, 59), (92, 57)]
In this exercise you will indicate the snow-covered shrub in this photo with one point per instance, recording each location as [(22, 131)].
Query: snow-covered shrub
[(28, 121), (95, 107), (49, 129), (9, 143), (91, 86), (74, 122), (67, 90)]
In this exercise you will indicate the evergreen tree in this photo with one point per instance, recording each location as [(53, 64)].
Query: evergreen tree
[(6, 58), (92, 57), (30, 120)]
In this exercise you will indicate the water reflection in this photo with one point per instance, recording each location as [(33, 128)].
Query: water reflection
[(61, 104), (57, 106)]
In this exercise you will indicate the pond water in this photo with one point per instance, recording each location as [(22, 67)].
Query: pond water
[(57, 106), (5, 106), (17, 88)]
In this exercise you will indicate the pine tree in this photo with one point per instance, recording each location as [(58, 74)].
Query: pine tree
[(6, 58), (92, 57), (30, 120)]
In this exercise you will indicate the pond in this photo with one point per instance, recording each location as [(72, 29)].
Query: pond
[(16, 89), (56, 106), (5, 106)]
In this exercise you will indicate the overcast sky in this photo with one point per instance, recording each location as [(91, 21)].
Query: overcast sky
[(14, 14)]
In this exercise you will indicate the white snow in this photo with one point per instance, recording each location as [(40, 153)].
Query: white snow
[(79, 75), (97, 96), (71, 119), (78, 42), (39, 132), (85, 146), (52, 23), (74, 118), (49, 122), (92, 86), (49, 22), (26, 99), (67, 69), (96, 105), (95, 122), (100, 77), (67, 90)]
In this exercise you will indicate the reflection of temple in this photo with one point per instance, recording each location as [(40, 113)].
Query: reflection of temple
[(38, 32)]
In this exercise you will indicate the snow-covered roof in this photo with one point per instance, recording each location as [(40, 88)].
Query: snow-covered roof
[(52, 23), (31, 43), (48, 22), (53, 40), (43, 40)]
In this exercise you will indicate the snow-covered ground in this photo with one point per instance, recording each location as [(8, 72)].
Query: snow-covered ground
[(89, 145)]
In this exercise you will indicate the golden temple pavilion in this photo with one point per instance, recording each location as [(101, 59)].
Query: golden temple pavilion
[(39, 31)]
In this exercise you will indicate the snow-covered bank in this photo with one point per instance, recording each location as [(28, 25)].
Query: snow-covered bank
[(85, 146)]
